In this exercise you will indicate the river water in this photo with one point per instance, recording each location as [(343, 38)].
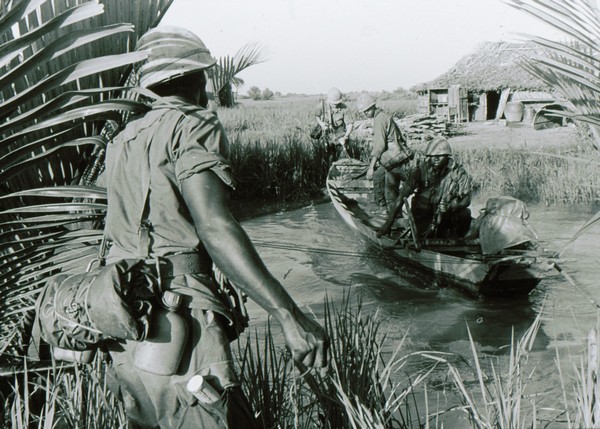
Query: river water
[(315, 255)]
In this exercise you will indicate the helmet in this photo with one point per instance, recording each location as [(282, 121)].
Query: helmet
[(364, 102), (334, 96), (172, 53), (438, 146)]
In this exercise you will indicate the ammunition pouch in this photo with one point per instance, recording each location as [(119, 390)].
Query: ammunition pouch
[(235, 301)]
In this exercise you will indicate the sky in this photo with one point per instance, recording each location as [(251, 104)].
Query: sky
[(354, 45)]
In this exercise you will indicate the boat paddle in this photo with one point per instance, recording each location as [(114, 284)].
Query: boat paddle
[(413, 225)]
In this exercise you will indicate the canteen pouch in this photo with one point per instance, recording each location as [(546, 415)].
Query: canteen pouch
[(79, 311), (394, 157)]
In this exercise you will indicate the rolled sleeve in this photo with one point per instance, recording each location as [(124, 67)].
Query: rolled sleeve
[(201, 145)]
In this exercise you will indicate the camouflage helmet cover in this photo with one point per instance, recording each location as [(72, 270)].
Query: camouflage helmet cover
[(172, 52), (437, 147)]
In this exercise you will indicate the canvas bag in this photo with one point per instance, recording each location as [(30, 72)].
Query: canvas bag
[(397, 152), (77, 312), (316, 132)]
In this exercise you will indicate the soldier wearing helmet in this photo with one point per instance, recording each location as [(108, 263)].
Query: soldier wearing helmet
[(441, 190), (390, 154), (337, 124), (169, 180)]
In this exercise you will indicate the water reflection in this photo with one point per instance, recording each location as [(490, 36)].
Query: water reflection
[(324, 258)]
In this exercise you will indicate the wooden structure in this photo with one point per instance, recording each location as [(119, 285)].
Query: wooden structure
[(480, 84), (449, 103)]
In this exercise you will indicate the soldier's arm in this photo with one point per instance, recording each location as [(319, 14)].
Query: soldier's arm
[(207, 198)]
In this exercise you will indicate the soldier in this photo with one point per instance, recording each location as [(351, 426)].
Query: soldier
[(168, 192), (337, 124), (389, 156), (442, 194)]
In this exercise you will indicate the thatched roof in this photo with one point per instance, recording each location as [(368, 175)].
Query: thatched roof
[(493, 66)]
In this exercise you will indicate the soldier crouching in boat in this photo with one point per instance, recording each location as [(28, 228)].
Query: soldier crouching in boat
[(442, 195)]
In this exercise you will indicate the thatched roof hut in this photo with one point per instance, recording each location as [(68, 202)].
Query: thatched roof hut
[(480, 85), (492, 67)]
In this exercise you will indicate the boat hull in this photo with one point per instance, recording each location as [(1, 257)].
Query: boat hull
[(456, 263)]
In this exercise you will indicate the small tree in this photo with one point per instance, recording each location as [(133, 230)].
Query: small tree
[(267, 94), (254, 93)]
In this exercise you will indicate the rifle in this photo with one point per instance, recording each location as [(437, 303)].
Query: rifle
[(323, 114), (442, 207)]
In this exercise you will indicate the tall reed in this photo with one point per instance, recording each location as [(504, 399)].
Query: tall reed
[(62, 396), (557, 175), (274, 159), (366, 386), (360, 389)]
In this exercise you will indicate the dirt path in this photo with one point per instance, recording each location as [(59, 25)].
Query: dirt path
[(515, 135)]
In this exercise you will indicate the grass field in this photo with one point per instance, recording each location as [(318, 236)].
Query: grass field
[(273, 157)]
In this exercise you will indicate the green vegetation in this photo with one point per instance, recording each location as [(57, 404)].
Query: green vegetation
[(274, 158), (366, 386), (54, 130)]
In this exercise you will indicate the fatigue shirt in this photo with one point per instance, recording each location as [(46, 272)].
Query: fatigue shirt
[(339, 120), (430, 188), (177, 140), (384, 133), (159, 151)]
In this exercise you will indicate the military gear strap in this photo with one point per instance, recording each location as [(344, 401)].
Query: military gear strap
[(145, 226)]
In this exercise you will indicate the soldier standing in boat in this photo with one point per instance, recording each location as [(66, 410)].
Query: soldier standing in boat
[(442, 195), (390, 154), (337, 123), (170, 167)]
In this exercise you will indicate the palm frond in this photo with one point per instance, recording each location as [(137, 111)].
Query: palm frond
[(572, 66), (225, 72), (64, 64)]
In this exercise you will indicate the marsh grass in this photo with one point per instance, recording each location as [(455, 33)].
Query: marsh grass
[(360, 389), (63, 396), (366, 386), (273, 158), (555, 176), (498, 398), (587, 389)]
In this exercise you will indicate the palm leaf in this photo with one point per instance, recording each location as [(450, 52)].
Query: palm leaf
[(572, 67), (225, 72), (64, 64)]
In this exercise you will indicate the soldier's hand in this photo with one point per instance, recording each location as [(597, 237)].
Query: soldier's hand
[(307, 340), (370, 174), (453, 205), (385, 228)]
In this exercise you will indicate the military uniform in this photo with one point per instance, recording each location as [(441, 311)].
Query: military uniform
[(146, 166), (338, 120), (432, 190), (386, 182)]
